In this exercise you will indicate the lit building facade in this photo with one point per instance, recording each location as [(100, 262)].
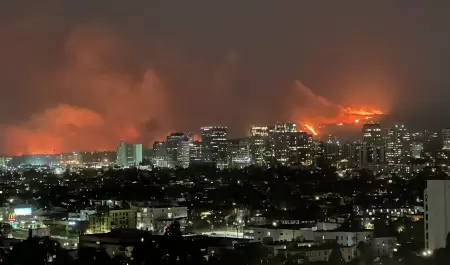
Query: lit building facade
[(332, 150), (156, 219), (259, 131), (286, 146), (258, 147), (195, 152), (129, 155), (214, 145), (398, 146), (239, 153), (178, 147), (445, 134), (159, 158), (372, 145), (416, 150)]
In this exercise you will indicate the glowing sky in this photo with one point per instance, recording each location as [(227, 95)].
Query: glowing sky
[(81, 75)]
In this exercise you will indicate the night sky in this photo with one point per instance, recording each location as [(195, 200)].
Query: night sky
[(81, 75)]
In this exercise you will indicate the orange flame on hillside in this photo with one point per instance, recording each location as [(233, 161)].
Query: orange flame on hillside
[(311, 129), (312, 111)]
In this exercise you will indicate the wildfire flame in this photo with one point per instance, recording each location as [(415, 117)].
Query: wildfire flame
[(316, 111), (346, 116), (362, 112), (311, 129)]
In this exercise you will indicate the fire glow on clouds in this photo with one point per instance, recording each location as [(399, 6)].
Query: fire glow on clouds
[(99, 100), (122, 104)]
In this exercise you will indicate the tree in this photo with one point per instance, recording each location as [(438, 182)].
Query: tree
[(364, 255), (336, 256), (33, 251), (443, 254)]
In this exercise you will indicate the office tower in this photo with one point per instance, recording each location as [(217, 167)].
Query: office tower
[(183, 152), (432, 142), (349, 153), (332, 150), (159, 158), (129, 155), (285, 127), (258, 145), (214, 145), (238, 153), (437, 213), (416, 150), (317, 152), (178, 145), (286, 146), (372, 145), (445, 134), (258, 141), (398, 145), (195, 154), (259, 131)]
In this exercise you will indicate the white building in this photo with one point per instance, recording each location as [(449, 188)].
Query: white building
[(437, 213), (345, 238), (286, 230), (271, 233), (129, 155), (158, 218)]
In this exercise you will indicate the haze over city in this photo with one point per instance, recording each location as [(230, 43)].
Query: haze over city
[(80, 75)]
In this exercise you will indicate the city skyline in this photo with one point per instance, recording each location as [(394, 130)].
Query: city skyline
[(355, 133), (140, 71)]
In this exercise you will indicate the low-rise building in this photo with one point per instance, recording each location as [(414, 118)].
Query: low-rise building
[(156, 219), (105, 221), (317, 253), (279, 232), (383, 246), (115, 242), (344, 237)]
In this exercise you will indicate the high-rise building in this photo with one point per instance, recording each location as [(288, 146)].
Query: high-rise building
[(286, 146), (445, 134), (239, 153), (259, 131), (372, 145), (214, 145), (129, 155), (258, 147), (159, 158), (195, 153), (416, 149), (332, 150), (183, 152), (351, 152), (437, 213), (285, 127), (258, 141), (178, 146), (398, 145)]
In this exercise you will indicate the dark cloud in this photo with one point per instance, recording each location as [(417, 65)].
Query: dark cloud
[(83, 74)]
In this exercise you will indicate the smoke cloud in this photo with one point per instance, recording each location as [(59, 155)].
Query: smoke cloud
[(81, 75), (103, 92)]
